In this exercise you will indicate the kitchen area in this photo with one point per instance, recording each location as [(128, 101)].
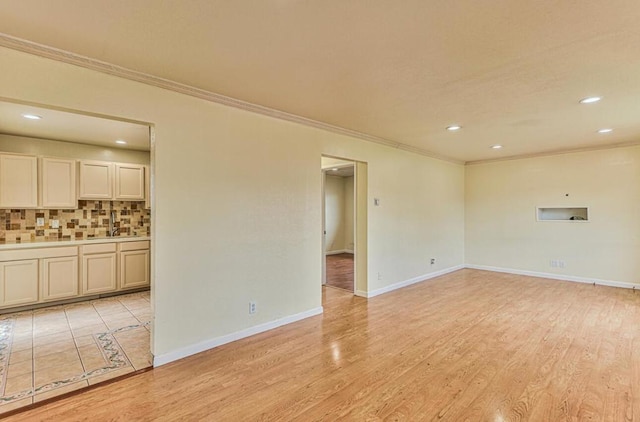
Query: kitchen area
[(75, 252)]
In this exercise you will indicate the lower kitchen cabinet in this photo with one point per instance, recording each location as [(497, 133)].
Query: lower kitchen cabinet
[(29, 276), (134, 269), (59, 278), (99, 273), (134, 264), (18, 282)]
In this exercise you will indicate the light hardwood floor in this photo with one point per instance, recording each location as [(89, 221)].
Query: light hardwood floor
[(468, 346)]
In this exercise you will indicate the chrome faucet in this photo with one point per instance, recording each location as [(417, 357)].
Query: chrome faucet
[(113, 230)]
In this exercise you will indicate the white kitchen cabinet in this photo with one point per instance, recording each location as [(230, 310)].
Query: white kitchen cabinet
[(134, 269), (58, 278), (96, 180), (134, 264), (33, 275), (99, 268), (18, 282), (129, 182), (18, 181), (58, 183)]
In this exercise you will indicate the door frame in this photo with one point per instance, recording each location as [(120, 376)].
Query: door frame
[(360, 203)]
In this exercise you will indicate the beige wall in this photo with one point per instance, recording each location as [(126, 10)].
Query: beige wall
[(339, 213), (33, 146), (256, 186), (501, 226)]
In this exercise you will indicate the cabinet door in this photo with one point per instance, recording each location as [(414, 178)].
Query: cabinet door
[(18, 282), (134, 269), (58, 183), (59, 277), (129, 182), (98, 273), (18, 181), (96, 180)]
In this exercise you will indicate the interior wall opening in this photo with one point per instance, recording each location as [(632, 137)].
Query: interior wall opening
[(75, 250), (338, 223)]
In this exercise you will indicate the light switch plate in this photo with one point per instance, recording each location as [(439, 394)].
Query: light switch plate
[(39, 222), (55, 224)]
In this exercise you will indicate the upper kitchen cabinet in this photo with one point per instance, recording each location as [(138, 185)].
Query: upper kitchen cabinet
[(96, 180), (18, 181), (58, 183), (130, 184), (100, 180)]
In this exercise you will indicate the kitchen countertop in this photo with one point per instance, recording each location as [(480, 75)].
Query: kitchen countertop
[(61, 243)]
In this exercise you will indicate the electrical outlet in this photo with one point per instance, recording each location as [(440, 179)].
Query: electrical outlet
[(376, 202), (433, 261), (556, 263), (40, 222), (55, 224), (252, 308), (379, 275)]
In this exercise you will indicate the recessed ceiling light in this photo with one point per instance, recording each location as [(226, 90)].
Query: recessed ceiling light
[(590, 100), (121, 142), (496, 146), (454, 127), (31, 116), (607, 130), (334, 169)]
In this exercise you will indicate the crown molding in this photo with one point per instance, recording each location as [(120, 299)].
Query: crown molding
[(52, 53), (554, 152)]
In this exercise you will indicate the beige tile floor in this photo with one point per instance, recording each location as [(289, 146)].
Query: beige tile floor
[(52, 351)]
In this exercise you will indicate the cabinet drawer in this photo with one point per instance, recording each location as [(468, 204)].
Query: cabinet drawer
[(38, 253), (134, 246), (98, 248)]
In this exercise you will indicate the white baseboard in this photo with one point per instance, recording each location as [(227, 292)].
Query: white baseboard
[(219, 341), (339, 251), (409, 282), (610, 283)]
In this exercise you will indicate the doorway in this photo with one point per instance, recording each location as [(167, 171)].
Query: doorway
[(344, 224), (79, 310)]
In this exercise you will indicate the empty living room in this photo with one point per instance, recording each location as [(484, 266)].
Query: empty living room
[(352, 211)]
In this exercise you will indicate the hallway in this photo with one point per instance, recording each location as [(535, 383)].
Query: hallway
[(340, 271)]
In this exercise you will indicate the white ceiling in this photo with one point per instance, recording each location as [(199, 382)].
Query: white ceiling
[(510, 72), (71, 127)]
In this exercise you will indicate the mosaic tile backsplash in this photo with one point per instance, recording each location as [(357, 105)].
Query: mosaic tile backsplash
[(90, 220)]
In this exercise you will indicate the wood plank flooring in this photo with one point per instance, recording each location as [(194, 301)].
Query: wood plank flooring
[(468, 346), (340, 271)]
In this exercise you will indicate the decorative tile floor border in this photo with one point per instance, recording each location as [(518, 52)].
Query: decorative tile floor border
[(6, 338), (107, 344)]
